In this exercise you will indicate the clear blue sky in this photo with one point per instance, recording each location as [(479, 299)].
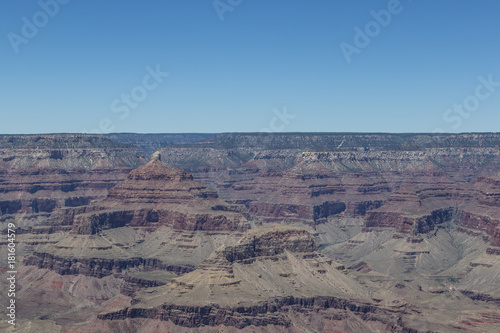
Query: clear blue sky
[(229, 75)]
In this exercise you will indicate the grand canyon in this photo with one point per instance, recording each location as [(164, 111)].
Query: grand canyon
[(252, 232)]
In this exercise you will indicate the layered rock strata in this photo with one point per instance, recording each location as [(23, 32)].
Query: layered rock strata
[(265, 277), (155, 195)]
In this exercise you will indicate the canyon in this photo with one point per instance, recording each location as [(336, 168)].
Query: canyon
[(253, 232)]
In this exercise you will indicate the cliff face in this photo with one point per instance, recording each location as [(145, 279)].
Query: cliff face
[(261, 243), (157, 219), (412, 183), (269, 273), (99, 267), (66, 151), (408, 228), (277, 312), (49, 178), (155, 195)]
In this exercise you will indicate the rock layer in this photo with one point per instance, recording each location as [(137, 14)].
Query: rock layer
[(280, 260), (156, 195)]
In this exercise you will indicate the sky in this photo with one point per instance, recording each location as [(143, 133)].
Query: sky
[(186, 66)]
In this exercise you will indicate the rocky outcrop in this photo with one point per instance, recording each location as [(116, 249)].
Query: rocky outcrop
[(279, 210), (397, 181), (493, 251), (481, 297), (422, 209), (275, 312), (10, 207), (44, 177), (66, 151), (155, 195), (480, 222), (99, 267), (482, 211), (92, 223), (48, 199), (282, 260), (327, 209), (258, 243), (132, 284), (361, 208), (409, 224), (297, 211)]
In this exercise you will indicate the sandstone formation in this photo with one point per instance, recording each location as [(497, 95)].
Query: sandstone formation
[(155, 195), (412, 183), (258, 281), (254, 232), (46, 179), (158, 218), (66, 151)]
